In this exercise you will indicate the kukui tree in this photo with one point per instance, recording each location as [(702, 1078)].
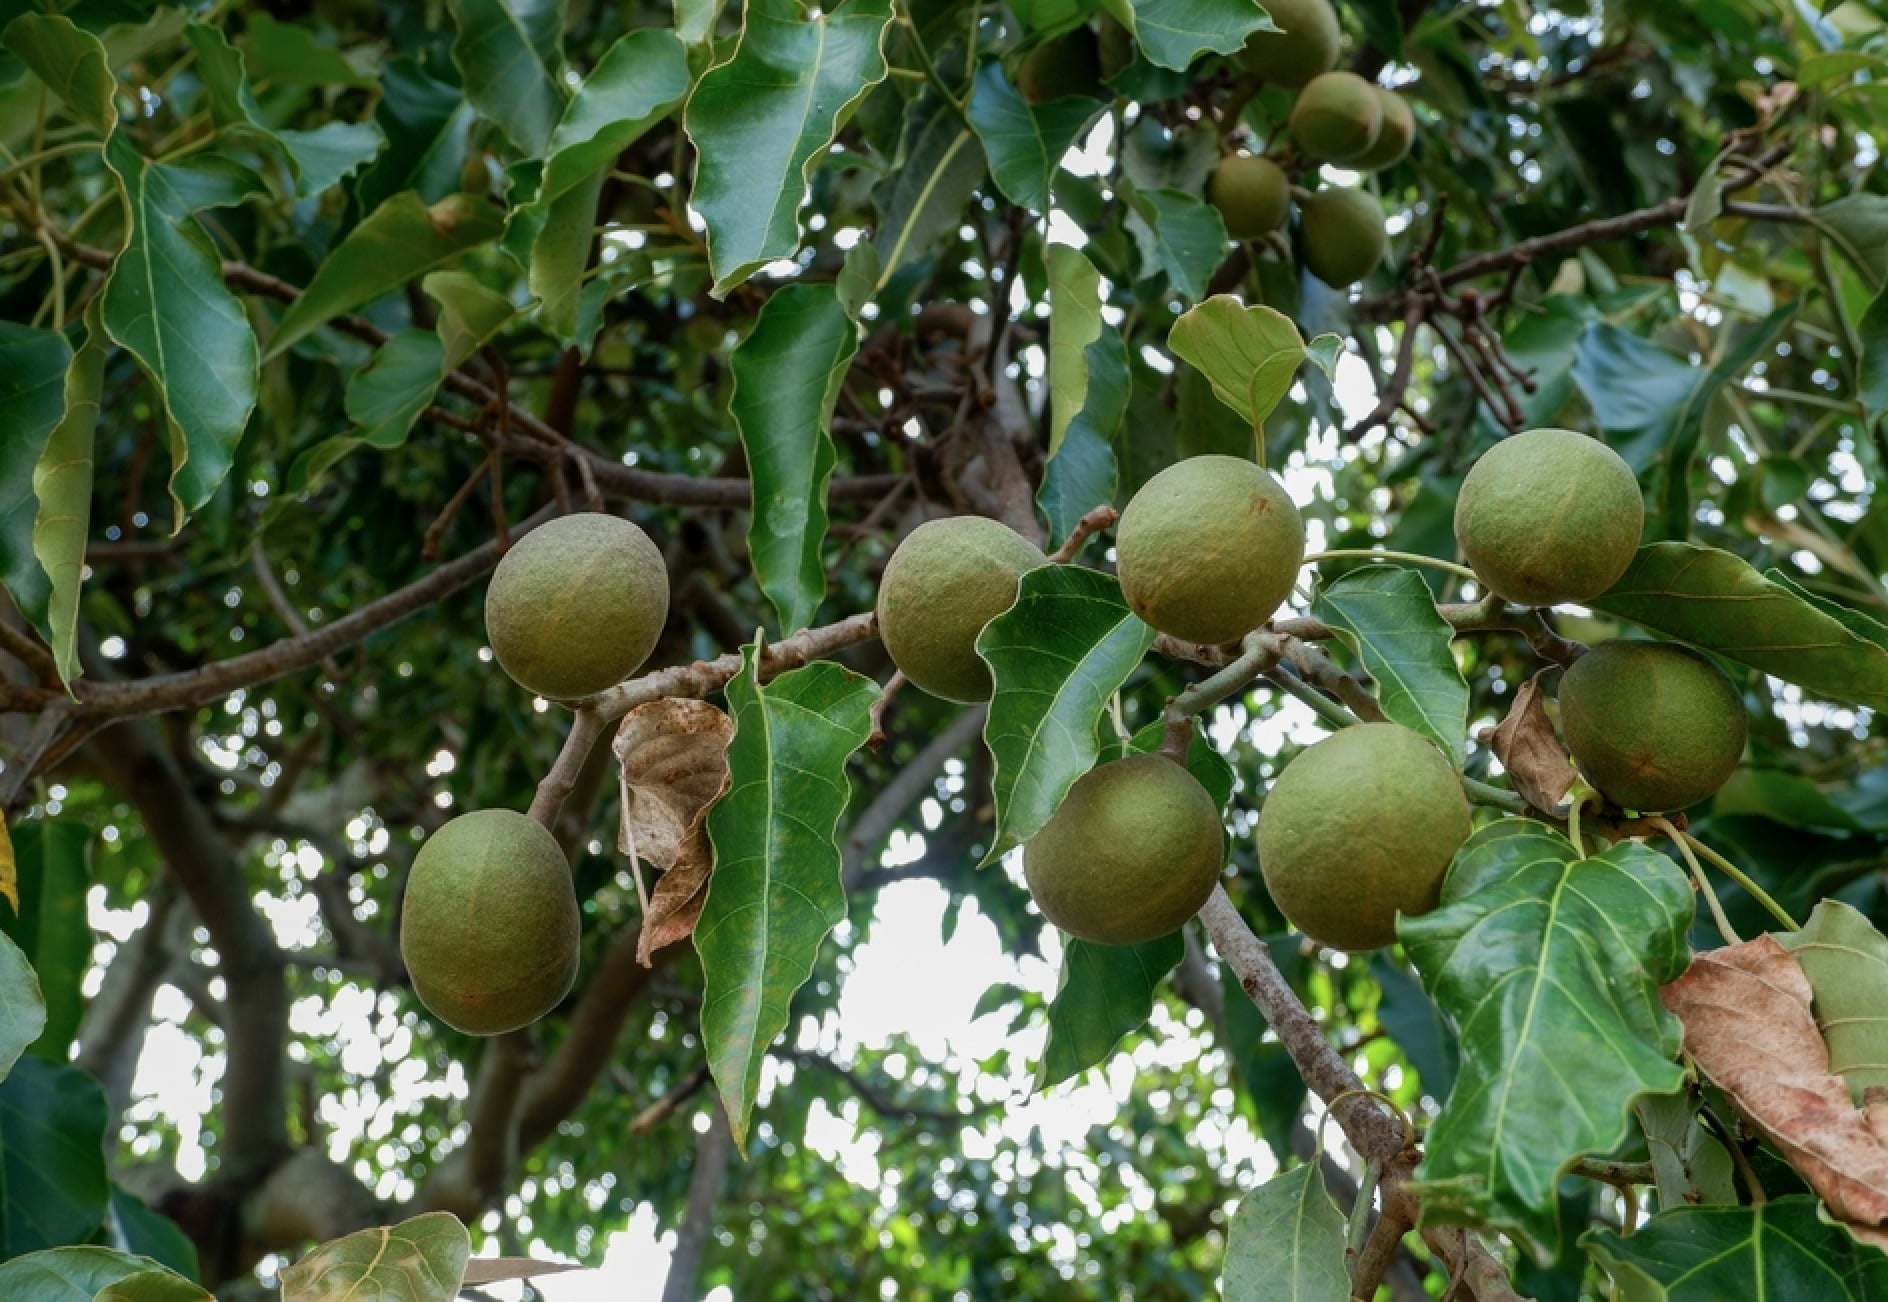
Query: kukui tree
[(1353, 527)]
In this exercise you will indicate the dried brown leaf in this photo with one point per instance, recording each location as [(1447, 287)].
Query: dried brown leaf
[(1525, 744), (1748, 1026), (674, 759)]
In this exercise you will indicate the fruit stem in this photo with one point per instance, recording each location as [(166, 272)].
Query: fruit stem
[(1743, 879), (1381, 554), (1500, 798), (1680, 840), (1573, 823)]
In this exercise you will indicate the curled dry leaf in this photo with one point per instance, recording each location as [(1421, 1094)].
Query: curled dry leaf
[(1748, 1026), (1525, 744), (674, 759)]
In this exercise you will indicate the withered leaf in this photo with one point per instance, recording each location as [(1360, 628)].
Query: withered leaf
[(1748, 1026), (1525, 744), (674, 759)]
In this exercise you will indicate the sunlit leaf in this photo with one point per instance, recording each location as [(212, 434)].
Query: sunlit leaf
[(152, 1286), (62, 482), (1173, 33), (1250, 355), (1389, 616), (1286, 1243), (419, 1260), (1024, 142), (1104, 992), (66, 1274)]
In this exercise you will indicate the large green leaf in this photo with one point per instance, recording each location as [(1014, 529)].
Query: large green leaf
[(22, 1007), (71, 62), (62, 483), (166, 304), (924, 200), (761, 121), (54, 860), (1057, 655), (787, 376), (1550, 965), (400, 241), (1777, 1252), (775, 891), (1286, 1243), (1104, 992), (418, 1260), (52, 1157), (1846, 961), (32, 381), (1715, 600), (1389, 615), (426, 123), (388, 394), (1250, 355), (66, 1274), (1074, 324), (1177, 234), (510, 61), (1173, 33), (1025, 142)]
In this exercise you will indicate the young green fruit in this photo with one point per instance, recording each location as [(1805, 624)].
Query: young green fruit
[(944, 583), (1131, 854), (1305, 44), (1342, 235), (1358, 828), (1337, 118), (1549, 516), (576, 605), (1394, 139), (490, 929), (1252, 195), (1209, 548), (1069, 64), (1655, 727)]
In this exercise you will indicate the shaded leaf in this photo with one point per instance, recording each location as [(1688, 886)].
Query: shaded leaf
[(51, 927), (1416, 1026), (1689, 1166), (498, 1270), (33, 367), (923, 201), (388, 394), (1846, 962), (147, 1233), (1530, 750), (1173, 33), (775, 892), (71, 62), (419, 1260), (22, 1007), (1074, 324), (761, 121), (294, 56), (1857, 225), (673, 758), (1179, 235), (1286, 1243), (62, 483), (52, 1158), (1103, 993), (1872, 384), (787, 377), (1250, 355), (1088, 392), (152, 1286), (426, 124), (1057, 655), (66, 1274), (329, 154), (1388, 614), (1779, 1250), (1715, 600), (1274, 1092), (509, 56), (1550, 965), (1023, 142)]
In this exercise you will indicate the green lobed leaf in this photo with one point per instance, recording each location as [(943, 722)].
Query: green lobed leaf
[(761, 121), (510, 61), (1250, 355), (1846, 961), (54, 862), (66, 1274), (418, 1260), (1057, 655), (62, 484), (1024, 142), (165, 303), (22, 1006), (426, 124), (52, 1158), (157, 1285), (1286, 1243), (1388, 614), (1715, 600), (400, 241), (775, 891), (1550, 965), (1779, 1250), (923, 201), (33, 367), (1177, 234), (787, 376), (1103, 993), (71, 62), (1173, 33)]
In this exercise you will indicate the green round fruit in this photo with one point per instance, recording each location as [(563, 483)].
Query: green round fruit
[(1548, 516), (1252, 195), (1065, 65), (1359, 828), (1305, 44), (944, 583), (1655, 727), (1337, 118), (1394, 140), (1209, 548), (1131, 854), (576, 605), (490, 928), (1342, 235)]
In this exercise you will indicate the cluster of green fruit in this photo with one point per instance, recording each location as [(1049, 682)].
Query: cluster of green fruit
[(490, 928)]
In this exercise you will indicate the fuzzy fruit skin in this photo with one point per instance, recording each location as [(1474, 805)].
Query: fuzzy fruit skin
[(1394, 139), (1209, 548), (1069, 64), (1252, 194), (576, 605), (1337, 118), (1343, 236), (1548, 516), (1305, 44), (944, 583), (1131, 854), (1656, 727), (1360, 827), (490, 929)]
